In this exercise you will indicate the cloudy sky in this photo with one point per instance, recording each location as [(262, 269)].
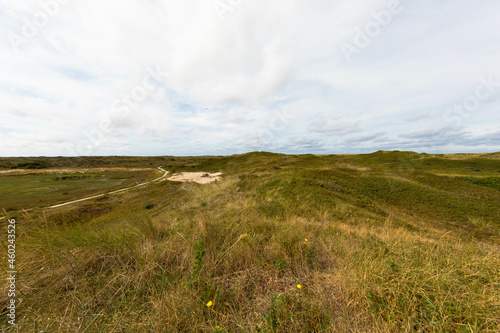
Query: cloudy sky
[(196, 77)]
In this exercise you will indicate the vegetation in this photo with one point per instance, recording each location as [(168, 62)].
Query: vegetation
[(493, 182), (384, 242), (98, 161), (35, 189)]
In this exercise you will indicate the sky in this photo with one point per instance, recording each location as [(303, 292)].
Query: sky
[(220, 77)]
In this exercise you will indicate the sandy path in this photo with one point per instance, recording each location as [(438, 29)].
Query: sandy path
[(113, 192)]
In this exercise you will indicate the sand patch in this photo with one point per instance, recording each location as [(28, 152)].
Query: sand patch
[(197, 177)]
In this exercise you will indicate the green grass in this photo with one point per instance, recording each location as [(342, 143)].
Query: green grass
[(491, 182), (375, 245)]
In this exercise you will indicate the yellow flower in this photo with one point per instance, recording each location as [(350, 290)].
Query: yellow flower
[(209, 304), (305, 239), (217, 327), (299, 286)]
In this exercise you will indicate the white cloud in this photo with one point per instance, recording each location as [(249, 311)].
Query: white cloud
[(222, 81)]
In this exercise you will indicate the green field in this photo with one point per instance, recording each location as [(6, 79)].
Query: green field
[(25, 191), (382, 242)]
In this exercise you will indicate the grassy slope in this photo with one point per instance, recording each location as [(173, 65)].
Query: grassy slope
[(396, 242)]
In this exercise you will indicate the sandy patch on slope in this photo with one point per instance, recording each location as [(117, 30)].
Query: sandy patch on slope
[(197, 177)]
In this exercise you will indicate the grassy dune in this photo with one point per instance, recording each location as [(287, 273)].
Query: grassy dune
[(385, 242)]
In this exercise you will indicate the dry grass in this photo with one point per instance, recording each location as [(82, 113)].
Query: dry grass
[(245, 243)]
